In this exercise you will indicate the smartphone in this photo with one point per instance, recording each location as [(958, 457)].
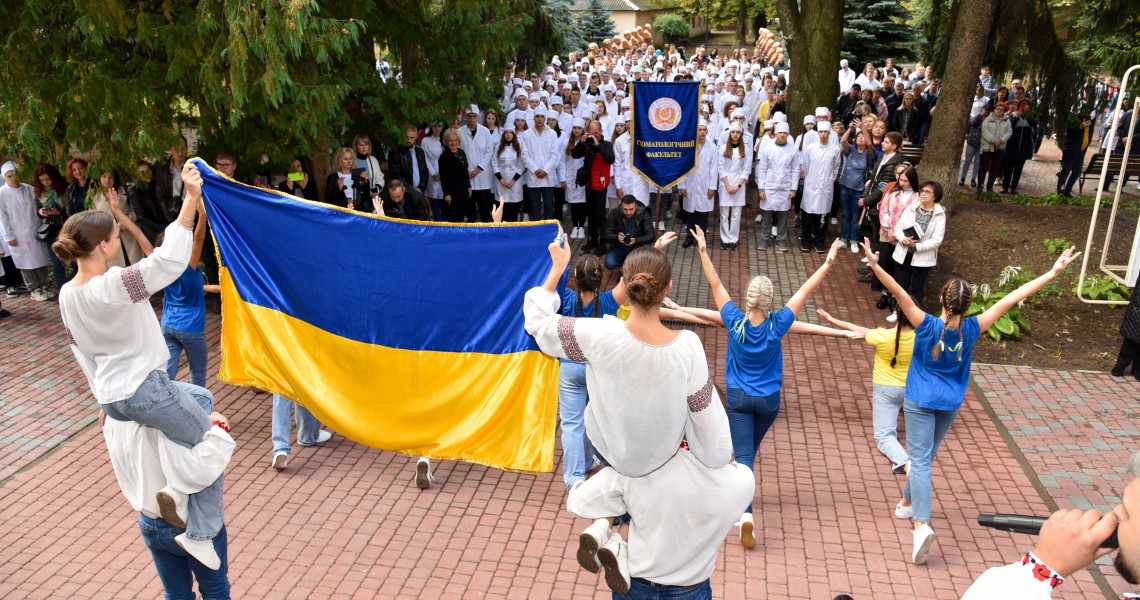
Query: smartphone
[(296, 176)]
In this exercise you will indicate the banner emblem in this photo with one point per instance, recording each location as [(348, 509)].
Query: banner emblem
[(664, 114)]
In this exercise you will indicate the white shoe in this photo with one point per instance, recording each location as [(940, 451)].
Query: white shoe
[(891, 318), (661, 225), (855, 248), (834, 221), (280, 459), (323, 436), (759, 218), (923, 540), (864, 260), (590, 541), (842, 243), (173, 506), (38, 296), (201, 550), (615, 560), (775, 231), (904, 512), (423, 474), (747, 537), (47, 293)]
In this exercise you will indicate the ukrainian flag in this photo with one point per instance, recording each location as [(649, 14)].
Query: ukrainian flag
[(401, 335)]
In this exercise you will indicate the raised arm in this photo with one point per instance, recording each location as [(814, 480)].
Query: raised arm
[(129, 225), (797, 301), (988, 318), (720, 295), (914, 314), (809, 328), (841, 324), (199, 237)]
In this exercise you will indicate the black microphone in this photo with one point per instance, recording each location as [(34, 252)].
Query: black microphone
[(1031, 525)]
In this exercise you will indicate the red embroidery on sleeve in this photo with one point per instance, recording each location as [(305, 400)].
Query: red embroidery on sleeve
[(133, 281), (702, 398), (569, 342)]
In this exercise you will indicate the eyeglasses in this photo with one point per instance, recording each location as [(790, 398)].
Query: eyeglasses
[(223, 165), (926, 191)]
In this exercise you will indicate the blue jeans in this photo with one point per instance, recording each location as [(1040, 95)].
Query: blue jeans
[(849, 228), (541, 202), (196, 350), (58, 271), (886, 402), (973, 157), (177, 569), (181, 411), (615, 258), (925, 429), (749, 418), (656, 591), (307, 425), (438, 209), (577, 452)]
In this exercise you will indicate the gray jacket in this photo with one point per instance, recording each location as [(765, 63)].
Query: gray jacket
[(993, 129)]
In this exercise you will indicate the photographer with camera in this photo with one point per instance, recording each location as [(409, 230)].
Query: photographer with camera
[(1073, 155), (1070, 541), (629, 226)]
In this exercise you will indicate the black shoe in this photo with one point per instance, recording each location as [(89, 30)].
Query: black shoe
[(973, 183), (724, 246), (13, 292), (865, 270), (599, 251), (1005, 191), (689, 243), (799, 222), (1117, 372), (884, 301), (1013, 191), (962, 181), (5, 314), (805, 248), (732, 246), (820, 250), (868, 278)]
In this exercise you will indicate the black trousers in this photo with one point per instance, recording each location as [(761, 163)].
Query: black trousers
[(459, 207), (596, 211), (699, 219), (512, 211), (989, 169), (813, 231), (11, 277), (1071, 165), (1129, 355), (911, 278), (1011, 173), (482, 200), (578, 213), (559, 202), (885, 250), (798, 198)]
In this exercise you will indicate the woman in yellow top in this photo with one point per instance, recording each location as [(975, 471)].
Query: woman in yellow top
[(893, 349)]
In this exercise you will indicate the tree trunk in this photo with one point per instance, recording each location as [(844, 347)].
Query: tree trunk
[(742, 26), (951, 122), (813, 31)]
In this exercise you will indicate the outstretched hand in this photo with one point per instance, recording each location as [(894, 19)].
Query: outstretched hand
[(1065, 260), (113, 200), (823, 314), (872, 257), (831, 254), (854, 335), (702, 244), (560, 250), (497, 211), (192, 179), (667, 238)]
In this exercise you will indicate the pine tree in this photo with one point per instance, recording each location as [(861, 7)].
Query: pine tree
[(595, 23), (564, 22), (875, 30)]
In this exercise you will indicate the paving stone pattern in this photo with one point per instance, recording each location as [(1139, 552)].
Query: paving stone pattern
[(346, 521)]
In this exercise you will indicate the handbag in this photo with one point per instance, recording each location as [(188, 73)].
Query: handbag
[(47, 228)]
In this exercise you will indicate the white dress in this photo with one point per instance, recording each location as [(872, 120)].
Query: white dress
[(734, 168), (698, 183), (507, 164), (432, 149), (821, 165), (625, 178), (18, 222), (568, 167), (777, 174), (478, 149)]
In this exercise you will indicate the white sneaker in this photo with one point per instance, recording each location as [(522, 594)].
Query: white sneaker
[(590, 541), (323, 436), (834, 221), (842, 243), (280, 459), (904, 512), (759, 218), (47, 293), (423, 474), (855, 248), (923, 540), (864, 260), (747, 537), (668, 214), (202, 551), (173, 506), (661, 225), (38, 296), (615, 560), (891, 318)]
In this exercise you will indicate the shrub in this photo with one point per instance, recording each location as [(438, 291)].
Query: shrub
[(1103, 287), (989, 197), (673, 27), (1057, 245)]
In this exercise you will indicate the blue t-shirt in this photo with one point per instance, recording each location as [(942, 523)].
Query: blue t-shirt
[(606, 306), (756, 363), (183, 304), (941, 384)]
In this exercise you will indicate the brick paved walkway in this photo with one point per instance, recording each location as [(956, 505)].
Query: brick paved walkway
[(345, 521)]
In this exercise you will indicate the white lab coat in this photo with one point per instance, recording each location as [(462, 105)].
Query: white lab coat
[(736, 167), (18, 221), (433, 147), (703, 179), (777, 174), (821, 165), (478, 150), (625, 178), (846, 80), (507, 164), (540, 153), (568, 172)]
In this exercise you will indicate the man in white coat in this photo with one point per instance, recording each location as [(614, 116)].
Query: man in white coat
[(846, 77), (777, 175), (820, 165), (478, 145), (699, 187), (625, 178), (18, 223), (541, 157)]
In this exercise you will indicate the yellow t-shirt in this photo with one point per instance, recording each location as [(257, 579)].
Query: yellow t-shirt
[(884, 342)]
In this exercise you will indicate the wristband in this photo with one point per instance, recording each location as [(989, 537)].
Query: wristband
[(222, 424)]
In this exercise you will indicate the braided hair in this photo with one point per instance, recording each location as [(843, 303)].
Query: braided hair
[(956, 296), (903, 321), (758, 298), (588, 277)]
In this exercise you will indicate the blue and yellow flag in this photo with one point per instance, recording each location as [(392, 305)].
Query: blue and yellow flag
[(663, 130), (404, 336)]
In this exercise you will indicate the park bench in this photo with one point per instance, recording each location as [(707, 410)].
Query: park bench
[(913, 154), (1131, 169)]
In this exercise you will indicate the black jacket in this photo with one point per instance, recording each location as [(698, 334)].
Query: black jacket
[(164, 187), (1074, 137), (412, 207), (615, 224), (151, 217), (309, 192), (1130, 328), (873, 193), (453, 174), (906, 121), (400, 163), (71, 203), (581, 149)]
